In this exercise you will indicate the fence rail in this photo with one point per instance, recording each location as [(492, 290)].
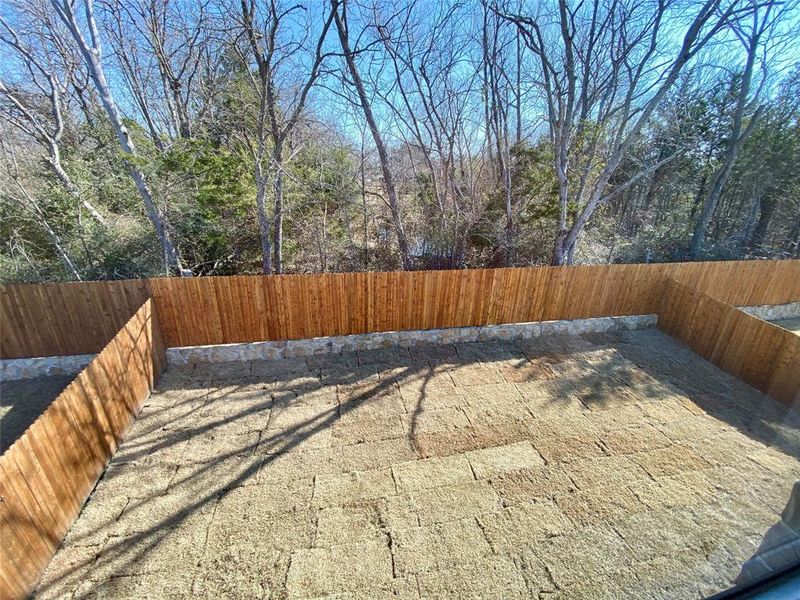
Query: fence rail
[(46, 475), (759, 353), (62, 319)]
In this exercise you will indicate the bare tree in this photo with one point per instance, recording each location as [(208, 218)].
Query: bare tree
[(91, 50), (24, 198), (494, 49), (602, 72), (276, 120), (339, 10), (165, 54), (430, 99), (752, 33), (47, 130)]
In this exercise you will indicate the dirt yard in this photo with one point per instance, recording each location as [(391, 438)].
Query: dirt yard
[(610, 466), (24, 400)]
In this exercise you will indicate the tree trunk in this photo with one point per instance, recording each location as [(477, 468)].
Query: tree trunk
[(518, 88), (278, 242), (64, 178), (792, 246), (759, 234), (559, 248), (56, 241), (559, 251), (277, 185), (32, 206), (60, 250), (263, 220), (388, 178), (364, 203), (510, 241), (92, 57), (737, 138)]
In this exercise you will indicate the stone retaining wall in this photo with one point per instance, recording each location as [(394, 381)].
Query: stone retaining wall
[(770, 312), (28, 368), (389, 339)]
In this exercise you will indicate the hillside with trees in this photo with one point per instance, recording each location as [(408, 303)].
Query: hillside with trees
[(219, 137)]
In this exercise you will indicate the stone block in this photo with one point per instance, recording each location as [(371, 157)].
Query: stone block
[(499, 460), (520, 525), (628, 440), (351, 524), (297, 464), (350, 488), (430, 393), (436, 547), (663, 532), (598, 550), (68, 569), (368, 429), (519, 487), (447, 443), (605, 471), (475, 374), (136, 480), (670, 460), (288, 496), (432, 472), (566, 448), (373, 455), (455, 502), (590, 507), (435, 421), (479, 580), (163, 584), (218, 445), (259, 573), (380, 400), (301, 418), (338, 569)]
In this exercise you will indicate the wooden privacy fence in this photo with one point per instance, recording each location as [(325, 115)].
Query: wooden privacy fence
[(78, 318), (759, 353), (65, 318), (47, 474)]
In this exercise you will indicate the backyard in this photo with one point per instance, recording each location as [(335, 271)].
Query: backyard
[(616, 465)]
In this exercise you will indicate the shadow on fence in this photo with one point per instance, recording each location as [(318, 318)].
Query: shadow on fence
[(759, 353), (47, 474)]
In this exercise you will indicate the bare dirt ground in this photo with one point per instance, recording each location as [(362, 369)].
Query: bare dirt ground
[(611, 466), (790, 324), (21, 402)]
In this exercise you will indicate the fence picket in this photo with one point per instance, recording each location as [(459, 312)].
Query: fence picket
[(47, 473)]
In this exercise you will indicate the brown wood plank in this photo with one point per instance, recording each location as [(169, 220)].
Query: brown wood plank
[(760, 353), (46, 475), (77, 318)]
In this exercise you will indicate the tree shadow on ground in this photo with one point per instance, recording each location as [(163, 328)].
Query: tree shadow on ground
[(670, 367), (214, 426), (163, 426)]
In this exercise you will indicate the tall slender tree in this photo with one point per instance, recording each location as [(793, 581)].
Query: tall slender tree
[(86, 36)]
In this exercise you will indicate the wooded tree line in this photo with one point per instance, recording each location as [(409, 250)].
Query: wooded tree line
[(211, 137)]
